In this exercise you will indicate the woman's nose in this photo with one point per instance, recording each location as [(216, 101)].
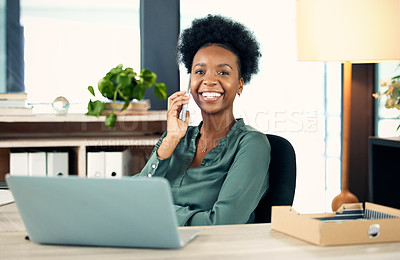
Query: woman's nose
[(210, 80)]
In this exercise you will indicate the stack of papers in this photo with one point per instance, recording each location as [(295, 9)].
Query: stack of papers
[(6, 197)]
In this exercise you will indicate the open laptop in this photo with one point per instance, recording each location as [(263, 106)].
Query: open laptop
[(125, 212)]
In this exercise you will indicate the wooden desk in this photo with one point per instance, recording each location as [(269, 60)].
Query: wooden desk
[(255, 241)]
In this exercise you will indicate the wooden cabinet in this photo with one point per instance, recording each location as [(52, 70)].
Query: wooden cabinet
[(384, 173), (77, 134)]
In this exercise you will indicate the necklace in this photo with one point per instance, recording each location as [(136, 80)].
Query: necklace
[(205, 148)]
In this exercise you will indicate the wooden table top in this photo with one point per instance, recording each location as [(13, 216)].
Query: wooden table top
[(251, 241)]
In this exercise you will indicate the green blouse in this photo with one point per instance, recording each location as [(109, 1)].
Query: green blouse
[(226, 187)]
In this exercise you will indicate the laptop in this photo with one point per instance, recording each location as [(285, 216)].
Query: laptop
[(125, 212)]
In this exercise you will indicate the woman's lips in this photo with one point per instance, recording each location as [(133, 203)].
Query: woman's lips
[(211, 96)]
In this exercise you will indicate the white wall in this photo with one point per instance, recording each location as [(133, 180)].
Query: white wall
[(286, 97)]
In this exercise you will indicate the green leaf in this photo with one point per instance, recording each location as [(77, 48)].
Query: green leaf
[(116, 70), (160, 90), (110, 120), (91, 90), (123, 79), (95, 108), (148, 77), (126, 104), (130, 72), (106, 88), (125, 86), (138, 91)]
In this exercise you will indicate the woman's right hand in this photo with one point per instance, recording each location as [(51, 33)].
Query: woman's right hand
[(176, 128)]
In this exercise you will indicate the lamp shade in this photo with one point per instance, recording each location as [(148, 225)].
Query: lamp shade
[(348, 30)]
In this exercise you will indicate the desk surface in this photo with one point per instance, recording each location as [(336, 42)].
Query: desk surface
[(255, 241)]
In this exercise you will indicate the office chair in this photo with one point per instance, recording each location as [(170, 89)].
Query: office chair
[(282, 178)]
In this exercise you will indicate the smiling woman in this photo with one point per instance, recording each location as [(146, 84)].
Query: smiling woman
[(218, 170)]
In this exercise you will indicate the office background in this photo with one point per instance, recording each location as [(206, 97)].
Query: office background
[(68, 45)]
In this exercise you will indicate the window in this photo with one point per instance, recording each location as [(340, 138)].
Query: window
[(71, 44), (287, 97), (387, 120)]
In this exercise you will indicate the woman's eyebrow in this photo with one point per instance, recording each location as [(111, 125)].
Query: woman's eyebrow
[(219, 65), (225, 65), (199, 65)]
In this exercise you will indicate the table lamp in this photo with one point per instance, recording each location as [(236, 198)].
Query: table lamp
[(349, 31)]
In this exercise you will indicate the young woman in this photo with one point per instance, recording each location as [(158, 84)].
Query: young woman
[(218, 170)]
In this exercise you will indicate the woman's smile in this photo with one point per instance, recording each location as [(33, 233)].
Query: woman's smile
[(210, 96)]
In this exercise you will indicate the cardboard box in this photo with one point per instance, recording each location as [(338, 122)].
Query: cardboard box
[(351, 224)]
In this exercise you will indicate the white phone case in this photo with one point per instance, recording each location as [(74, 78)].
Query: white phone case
[(182, 115)]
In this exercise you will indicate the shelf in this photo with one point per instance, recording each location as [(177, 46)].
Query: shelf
[(152, 115), (76, 142), (80, 125), (78, 134)]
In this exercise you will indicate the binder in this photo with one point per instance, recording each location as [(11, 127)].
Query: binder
[(37, 163), (95, 164), (19, 163), (57, 163), (117, 164)]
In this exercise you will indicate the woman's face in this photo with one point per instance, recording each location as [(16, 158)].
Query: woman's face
[(215, 79)]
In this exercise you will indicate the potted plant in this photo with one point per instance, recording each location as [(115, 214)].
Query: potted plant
[(123, 85), (391, 93)]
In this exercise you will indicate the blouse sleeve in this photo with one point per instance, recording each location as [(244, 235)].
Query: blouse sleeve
[(244, 186), (155, 166)]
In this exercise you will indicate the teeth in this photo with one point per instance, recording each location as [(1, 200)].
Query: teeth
[(211, 94)]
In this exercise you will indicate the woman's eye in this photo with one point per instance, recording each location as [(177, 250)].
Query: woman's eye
[(223, 73), (201, 72)]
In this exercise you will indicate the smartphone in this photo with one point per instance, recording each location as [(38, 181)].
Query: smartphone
[(182, 115)]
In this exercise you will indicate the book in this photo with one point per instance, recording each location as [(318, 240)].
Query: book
[(57, 163), (37, 164), (19, 163), (95, 164), (110, 164), (12, 103), (13, 96), (17, 111), (117, 164)]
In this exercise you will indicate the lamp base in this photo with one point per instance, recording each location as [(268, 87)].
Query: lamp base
[(344, 197)]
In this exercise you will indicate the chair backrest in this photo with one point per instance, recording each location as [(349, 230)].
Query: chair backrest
[(282, 178)]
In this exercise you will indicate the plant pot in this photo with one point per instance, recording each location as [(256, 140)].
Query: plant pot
[(135, 107)]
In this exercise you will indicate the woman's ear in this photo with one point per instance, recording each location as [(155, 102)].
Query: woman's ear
[(240, 88)]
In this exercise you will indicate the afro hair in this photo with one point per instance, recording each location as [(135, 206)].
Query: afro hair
[(216, 29)]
